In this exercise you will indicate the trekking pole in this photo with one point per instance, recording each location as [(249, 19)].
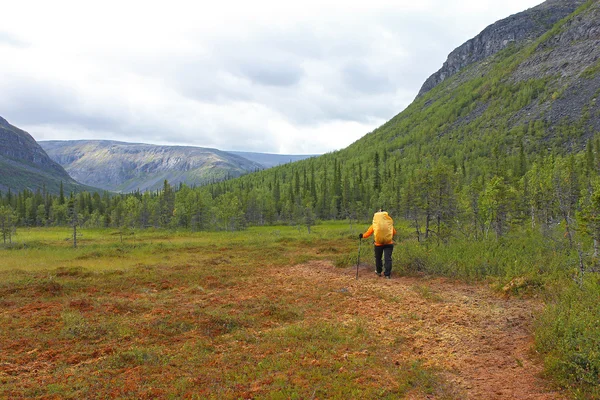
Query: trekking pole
[(358, 258)]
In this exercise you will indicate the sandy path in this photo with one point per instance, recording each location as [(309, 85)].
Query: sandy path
[(481, 343)]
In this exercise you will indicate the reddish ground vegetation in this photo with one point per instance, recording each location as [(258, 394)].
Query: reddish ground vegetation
[(253, 330), (480, 342)]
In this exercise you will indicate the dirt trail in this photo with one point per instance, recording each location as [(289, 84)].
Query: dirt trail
[(481, 343)]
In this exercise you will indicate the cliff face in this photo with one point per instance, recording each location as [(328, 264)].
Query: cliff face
[(25, 165), (20, 146), (518, 29), (570, 62), (540, 97), (552, 83)]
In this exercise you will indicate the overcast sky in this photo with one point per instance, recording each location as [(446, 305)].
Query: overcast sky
[(301, 77)]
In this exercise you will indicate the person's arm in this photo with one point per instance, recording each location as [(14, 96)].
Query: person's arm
[(369, 232)]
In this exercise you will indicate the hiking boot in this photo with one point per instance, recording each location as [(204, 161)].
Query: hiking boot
[(388, 277), (378, 274)]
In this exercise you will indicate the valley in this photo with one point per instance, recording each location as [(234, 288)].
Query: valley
[(133, 270)]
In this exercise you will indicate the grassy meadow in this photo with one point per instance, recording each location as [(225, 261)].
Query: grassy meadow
[(160, 314), (186, 315)]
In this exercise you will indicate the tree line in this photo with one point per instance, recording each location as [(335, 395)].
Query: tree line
[(457, 161), (439, 197)]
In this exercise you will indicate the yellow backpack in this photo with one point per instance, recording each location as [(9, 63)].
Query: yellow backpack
[(383, 227)]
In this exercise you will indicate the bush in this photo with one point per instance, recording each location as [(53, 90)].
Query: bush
[(568, 334)]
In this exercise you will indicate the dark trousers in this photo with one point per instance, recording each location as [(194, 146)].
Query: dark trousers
[(385, 250)]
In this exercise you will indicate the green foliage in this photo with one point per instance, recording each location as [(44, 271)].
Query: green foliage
[(591, 71), (7, 223), (567, 334), (530, 254)]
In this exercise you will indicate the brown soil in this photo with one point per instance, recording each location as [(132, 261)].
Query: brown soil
[(480, 342)]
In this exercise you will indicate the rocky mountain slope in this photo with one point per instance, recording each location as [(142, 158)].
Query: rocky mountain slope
[(548, 87), (520, 28), (126, 167), (538, 96), (25, 165)]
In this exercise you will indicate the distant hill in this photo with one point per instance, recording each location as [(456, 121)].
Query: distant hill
[(271, 160), (25, 165), (127, 167)]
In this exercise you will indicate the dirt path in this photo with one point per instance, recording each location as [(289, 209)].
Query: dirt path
[(481, 343)]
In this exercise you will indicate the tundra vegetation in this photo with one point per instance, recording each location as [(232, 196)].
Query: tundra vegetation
[(159, 312), (482, 190), (188, 315)]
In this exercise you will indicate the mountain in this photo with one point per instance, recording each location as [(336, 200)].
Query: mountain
[(539, 92), (515, 101), (538, 95), (520, 28), (127, 167), (271, 160), (25, 165)]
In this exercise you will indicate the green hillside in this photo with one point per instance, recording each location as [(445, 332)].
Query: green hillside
[(20, 176), (502, 117), (24, 165)]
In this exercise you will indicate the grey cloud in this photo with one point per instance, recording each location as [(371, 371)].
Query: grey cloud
[(427, 40), (362, 78), (273, 73), (264, 59), (230, 135), (35, 103), (301, 41), (361, 109), (308, 75), (8, 39), (41, 104), (245, 139), (44, 104), (204, 80)]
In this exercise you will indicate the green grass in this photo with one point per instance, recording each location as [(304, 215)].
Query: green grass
[(591, 71), (567, 333), (211, 315), (523, 263), (186, 315), (528, 263)]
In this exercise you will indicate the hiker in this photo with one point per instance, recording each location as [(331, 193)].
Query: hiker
[(383, 227)]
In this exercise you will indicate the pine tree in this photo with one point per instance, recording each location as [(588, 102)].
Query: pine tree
[(376, 173), (73, 213), (7, 223), (61, 196)]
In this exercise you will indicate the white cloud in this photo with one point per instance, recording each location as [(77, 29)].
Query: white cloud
[(270, 76)]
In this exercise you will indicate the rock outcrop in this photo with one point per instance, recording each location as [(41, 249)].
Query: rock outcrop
[(19, 145), (520, 28), (570, 61), (25, 165)]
